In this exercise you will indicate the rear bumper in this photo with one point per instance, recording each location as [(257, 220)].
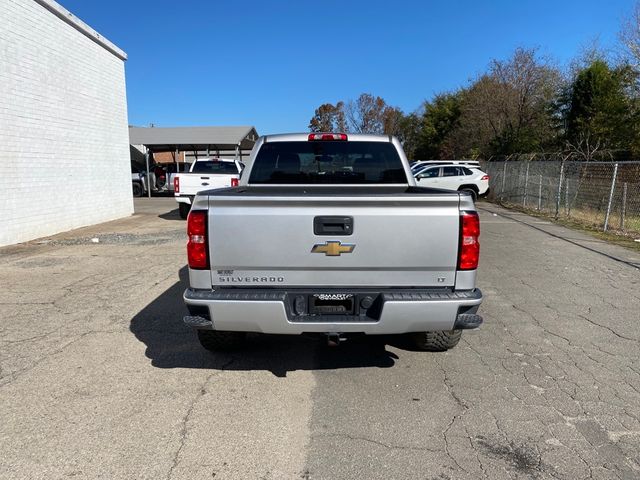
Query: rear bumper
[(393, 312), (184, 198)]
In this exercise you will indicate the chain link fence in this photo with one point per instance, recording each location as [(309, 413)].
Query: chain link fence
[(605, 195)]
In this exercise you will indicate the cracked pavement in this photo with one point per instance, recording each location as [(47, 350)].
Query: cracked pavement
[(100, 379)]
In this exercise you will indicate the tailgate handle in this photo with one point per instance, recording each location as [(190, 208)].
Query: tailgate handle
[(204, 178), (333, 225)]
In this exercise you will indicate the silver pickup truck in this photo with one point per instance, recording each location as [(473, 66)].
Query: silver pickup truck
[(328, 233)]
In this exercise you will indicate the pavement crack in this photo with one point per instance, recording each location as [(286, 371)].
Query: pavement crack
[(376, 442), (461, 403), (608, 329), (449, 387), (537, 322), (30, 339), (184, 429), (446, 443), (476, 453), (15, 375), (27, 303)]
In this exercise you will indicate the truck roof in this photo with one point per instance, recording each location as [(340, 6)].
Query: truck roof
[(303, 137), (214, 159)]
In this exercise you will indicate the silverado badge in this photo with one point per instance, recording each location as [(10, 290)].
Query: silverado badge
[(333, 248)]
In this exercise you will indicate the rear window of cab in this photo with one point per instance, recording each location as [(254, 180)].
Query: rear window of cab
[(213, 167), (327, 162)]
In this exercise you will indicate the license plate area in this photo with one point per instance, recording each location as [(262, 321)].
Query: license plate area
[(332, 304)]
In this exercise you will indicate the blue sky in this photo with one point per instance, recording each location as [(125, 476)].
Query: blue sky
[(271, 63)]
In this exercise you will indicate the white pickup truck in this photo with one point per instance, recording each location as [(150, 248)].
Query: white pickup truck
[(204, 174), (329, 234)]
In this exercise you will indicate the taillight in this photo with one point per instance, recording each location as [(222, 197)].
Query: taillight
[(469, 248), (486, 177), (197, 245), (327, 136), (234, 182), (176, 184)]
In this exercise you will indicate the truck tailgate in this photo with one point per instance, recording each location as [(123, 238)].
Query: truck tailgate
[(397, 238), (193, 183)]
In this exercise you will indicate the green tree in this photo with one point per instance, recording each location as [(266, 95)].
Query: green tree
[(410, 133), (602, 113), (440, 119)]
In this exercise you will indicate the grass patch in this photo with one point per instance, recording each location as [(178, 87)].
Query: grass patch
[(583, 223)]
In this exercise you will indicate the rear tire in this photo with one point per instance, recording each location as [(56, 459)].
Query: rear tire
[(437, 341), (216, 341), (137, 189), (184, 210)]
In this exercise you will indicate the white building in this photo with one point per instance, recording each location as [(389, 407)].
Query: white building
[(64, 140)]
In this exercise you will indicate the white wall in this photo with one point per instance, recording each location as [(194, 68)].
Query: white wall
[(64, 139)]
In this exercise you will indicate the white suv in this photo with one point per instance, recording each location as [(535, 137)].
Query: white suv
[(454, 177), (420, 164)]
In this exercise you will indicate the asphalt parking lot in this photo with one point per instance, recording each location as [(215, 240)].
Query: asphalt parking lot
[(100, 379)]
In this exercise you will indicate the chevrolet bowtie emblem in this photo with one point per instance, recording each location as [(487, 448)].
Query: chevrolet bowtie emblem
[(333, 248)]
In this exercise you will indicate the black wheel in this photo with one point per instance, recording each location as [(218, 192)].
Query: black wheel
[(216, 341), (470, 191), (137, 189), (437, 341), (184, 210)]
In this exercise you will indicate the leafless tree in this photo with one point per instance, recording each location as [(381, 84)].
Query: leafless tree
[(480, 119), (528, 84), (508, 107), (630, 37), (365, 114), (586, 148), (392, 120)]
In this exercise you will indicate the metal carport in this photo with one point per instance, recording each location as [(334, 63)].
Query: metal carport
[(223, 141)]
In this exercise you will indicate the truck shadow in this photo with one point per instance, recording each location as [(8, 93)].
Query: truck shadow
[(171, 215), (170, 344)]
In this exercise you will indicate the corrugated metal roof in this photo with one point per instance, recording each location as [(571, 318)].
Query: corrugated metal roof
[(191, 138)]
